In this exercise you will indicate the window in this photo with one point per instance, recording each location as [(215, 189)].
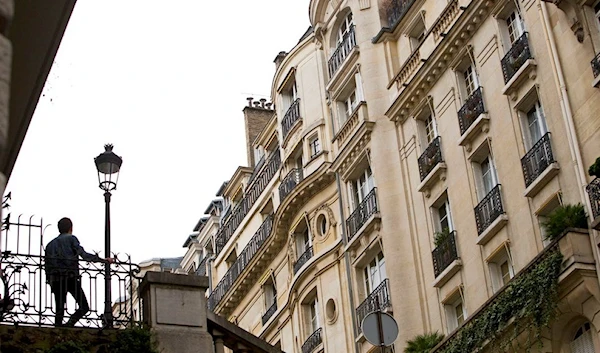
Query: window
[(230, 260), (315, 146), (514, 25), (501, 269), (322, 224), (456, 312), (374, 273), (313, 315), (426, 125), (471, 80), (303, 241), (536, 125), (351, 104), (416, 35), (430, 129), (345, 28), (582, 341), (442, 216), (485, 175), (270, 292), (361, 186), (348, 99)]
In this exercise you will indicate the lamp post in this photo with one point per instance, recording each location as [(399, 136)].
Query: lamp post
[(108, 165)]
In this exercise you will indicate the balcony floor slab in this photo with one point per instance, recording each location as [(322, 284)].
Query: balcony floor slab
[(492, 229), (447, 274), (538, 184)]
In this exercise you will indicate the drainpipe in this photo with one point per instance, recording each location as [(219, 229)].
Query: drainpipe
[(565, 104), (347, 262), (210, 261)]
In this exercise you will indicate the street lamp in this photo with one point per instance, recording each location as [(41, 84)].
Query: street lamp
[(108, 165)]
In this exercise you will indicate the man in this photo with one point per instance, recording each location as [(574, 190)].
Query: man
[(62, 271)]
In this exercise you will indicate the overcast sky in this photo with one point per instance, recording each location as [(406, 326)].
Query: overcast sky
[(166, 83)]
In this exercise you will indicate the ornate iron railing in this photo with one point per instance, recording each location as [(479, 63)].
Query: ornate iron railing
[(362, 213), (201, 270), (593, 190), (290, 182), (396, 11), (472, 108), (537, 159), (313, 341), (242, 261), (379, 299), (430, 158), (27, 298), (270, 311), (342, 51), (444, 254), (291, 117), (516, 57), (253, 192), (596, 65), (306, 255), (488, 209)]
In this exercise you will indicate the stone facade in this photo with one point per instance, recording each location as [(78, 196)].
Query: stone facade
[(418, 146)]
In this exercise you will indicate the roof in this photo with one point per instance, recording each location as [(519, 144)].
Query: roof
[(308, 32), (172, 262), (218, 203), (222, 188), (190, 239), (200, 224)]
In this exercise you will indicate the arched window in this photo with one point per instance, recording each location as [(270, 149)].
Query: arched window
[(344, 28), (582, 341)]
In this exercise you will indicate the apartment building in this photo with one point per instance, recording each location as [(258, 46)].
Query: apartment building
[(413, 150)]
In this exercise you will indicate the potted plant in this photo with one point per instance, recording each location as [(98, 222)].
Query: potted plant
[(423, 343), (563, 217), (595, 168), (440, 238)]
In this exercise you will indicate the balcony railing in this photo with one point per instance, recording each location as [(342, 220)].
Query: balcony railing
[(291, 117), (430, 158), (342, 51), (596, 65), (488, 209), (201, 270), (444, 254), (306, 255), (396, 11), (472, 108), (290, 181), (537, 159), (272, 309), (253, 192), (362, 213), (313, 341), (516, 57), (242, 261), (379, 299), (593, 190)]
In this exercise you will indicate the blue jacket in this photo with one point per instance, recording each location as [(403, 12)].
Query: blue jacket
[(62, 257)]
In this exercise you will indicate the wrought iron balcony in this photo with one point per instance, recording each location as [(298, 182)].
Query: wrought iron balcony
[(242, 261), (516, 57), (290, 181), (306, 255), (272, 309), (253, 192), (342, 51), (596, 65), (593, 190), (396, 11), (472, 108), (430, 158), (362, 213), (379, 299), (313, 341), (537, 159), (444, 254), (201, 270), (291, 117), (488, 209)]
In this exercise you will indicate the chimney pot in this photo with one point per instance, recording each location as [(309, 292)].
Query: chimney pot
[(250, 99)]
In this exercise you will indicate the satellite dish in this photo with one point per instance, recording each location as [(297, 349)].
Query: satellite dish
[(380, 328)]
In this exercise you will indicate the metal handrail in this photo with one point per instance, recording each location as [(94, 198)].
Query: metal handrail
[(472, 108), (291, 117), (313, 341), (537, 159), (306, 255), (289, 183), (518, 54), (593, 190), (378, 299), (270, 311), (342, 51), (362, 213), (444, 254), (430, 158), (596, 65), (488, 209)]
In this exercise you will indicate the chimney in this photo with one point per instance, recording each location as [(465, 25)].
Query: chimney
[(256, 118), (279, 58)]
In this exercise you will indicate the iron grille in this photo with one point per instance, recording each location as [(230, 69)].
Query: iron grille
[(596, 65), (362, 213), (313, 341), (290, 181), (379, 299), (593, 190), (342, 51), (272, 309), (488, 209), (430, 158), (444, 254), (472, 108), (306, 255), (516, 57), (201, 270), (537, 159), (291, 117)]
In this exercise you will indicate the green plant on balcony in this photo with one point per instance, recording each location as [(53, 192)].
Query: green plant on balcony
[(595, 168), (69, 347), (138, 339), (563, 217), (440, 238), (423, 343)]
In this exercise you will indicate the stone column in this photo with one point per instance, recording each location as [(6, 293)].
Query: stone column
[(174, 307), (219, 345)]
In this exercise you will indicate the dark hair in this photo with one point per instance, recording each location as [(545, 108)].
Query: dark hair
[(65, 225)]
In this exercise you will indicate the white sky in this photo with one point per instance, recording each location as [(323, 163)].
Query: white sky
[(166, 83)]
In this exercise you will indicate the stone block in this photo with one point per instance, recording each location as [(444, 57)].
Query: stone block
[(179, 307)]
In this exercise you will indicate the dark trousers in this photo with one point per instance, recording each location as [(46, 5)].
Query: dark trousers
[(60, 287)]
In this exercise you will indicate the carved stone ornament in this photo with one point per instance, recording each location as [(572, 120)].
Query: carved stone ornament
[(331, 222)]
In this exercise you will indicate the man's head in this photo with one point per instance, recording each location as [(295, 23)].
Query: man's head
[(65, 226)]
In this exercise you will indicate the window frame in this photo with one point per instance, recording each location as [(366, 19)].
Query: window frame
[(374, 267), (344, 28), (450, 306), (495, 262), (360, 186), (479, 175), (314, 145)]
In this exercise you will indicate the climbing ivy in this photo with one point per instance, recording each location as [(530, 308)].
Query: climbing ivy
[(530, 298)]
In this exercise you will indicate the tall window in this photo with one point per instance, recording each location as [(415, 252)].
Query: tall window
[(501, 269), (486, 176), (345, 28), (515, 25), (361, 186), (270, 294), (582, 341), (536, 124), (416, 34), (471, 80), (375, 273), (303, 241), (349, 99), (314, 315), (455, 312), (351, 104), (443, 216), (315, 146), (430, 129)]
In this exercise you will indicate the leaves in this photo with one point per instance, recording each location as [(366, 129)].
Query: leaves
[(423, 343), (563, 217), (595, 168)]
